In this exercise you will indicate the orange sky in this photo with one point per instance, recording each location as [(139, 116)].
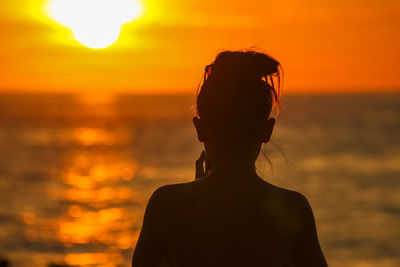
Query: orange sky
[(324, 46)]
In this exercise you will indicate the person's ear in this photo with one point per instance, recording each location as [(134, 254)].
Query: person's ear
[(199, 128), (268, 128)]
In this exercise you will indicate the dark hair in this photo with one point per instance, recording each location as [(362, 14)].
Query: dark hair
[(239, 85)]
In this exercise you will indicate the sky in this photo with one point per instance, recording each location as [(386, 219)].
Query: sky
[(331, 46)]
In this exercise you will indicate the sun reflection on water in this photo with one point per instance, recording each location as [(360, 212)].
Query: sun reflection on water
[(105, 259), (101, 214), (94, 218), (91, 136), (110, 227)]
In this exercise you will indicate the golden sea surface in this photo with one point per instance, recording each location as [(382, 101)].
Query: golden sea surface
[(76, 172)]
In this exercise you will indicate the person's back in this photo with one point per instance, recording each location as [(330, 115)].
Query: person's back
[(230, 217)]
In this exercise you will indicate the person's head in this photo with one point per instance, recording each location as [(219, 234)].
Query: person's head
[(236, 105)]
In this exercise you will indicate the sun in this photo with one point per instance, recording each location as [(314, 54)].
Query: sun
[(95, 23), (97, 35)]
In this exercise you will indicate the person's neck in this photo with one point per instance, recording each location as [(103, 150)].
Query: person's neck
[(235, 170)]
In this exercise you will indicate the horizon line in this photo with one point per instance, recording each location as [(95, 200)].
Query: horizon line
[(341, 91)]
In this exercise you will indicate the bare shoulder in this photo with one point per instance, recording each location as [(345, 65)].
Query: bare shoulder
[(299, 225), (290, 195), (293, 199), (293, 208), (297, 202), (168, 194), (160, 205)]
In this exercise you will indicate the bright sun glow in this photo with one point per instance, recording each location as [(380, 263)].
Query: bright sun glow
[(95, 23)]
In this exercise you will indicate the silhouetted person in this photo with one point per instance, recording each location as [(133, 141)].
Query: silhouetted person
[(4, 263), (231, 216)]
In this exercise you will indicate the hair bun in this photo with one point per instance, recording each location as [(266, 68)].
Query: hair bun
[(239, 64)]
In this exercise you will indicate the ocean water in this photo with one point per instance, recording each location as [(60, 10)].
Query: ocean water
[(76, 172)]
